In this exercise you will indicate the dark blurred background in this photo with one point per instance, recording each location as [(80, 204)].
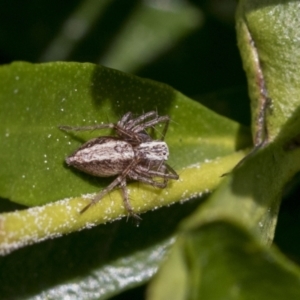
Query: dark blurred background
[(190, 45)]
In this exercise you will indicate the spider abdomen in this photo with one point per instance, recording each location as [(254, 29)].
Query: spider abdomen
[(102, 157)]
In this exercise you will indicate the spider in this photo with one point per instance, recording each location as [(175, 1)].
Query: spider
[(131, 154)]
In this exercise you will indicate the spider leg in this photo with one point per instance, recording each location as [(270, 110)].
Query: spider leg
[(124, 119), (131, 128), (148, 180), (171, 170), (160, 172), (98, 126), (150, 177), (151, 123), (126, 200), (125, 196), (100, 195), (129, 135), (86, 128), (111, 186), (133, 122), (163, 169)]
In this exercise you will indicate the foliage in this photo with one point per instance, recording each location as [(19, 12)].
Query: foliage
[(222, 247)]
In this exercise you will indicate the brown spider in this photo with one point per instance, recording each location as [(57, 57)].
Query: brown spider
[(131, 154)]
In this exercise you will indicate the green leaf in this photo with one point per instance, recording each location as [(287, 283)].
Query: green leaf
[(221, 251), (269, 43), (108, 259), (33, 172), (223, 244), (220, 260), (36, 99)]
